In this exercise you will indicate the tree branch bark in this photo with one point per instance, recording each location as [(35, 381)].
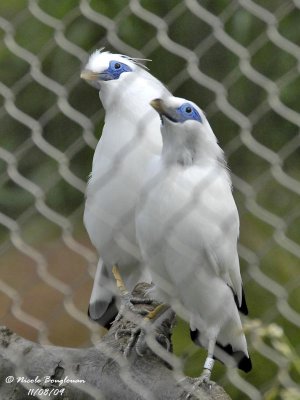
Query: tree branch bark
[(104, 371)]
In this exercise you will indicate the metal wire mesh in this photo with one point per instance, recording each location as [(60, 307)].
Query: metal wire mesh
[(239, 60)]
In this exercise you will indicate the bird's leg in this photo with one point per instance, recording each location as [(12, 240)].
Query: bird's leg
[(209, 362), (119, 280), (207, 368), (125, 295)]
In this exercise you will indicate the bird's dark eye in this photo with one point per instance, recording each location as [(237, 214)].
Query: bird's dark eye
[(187, 112), (115, 70)]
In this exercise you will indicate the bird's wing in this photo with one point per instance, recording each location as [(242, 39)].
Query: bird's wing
[(229, 268), (214, 225), (223, 248)]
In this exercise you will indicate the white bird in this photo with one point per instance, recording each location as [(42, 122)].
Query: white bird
[(187, 227), (131, 135)]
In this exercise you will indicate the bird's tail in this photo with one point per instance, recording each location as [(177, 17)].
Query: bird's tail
[(102, 308), (239, 358), (225, 353)]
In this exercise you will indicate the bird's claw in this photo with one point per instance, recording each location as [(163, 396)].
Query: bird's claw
[(130, 303), (136, 313), (137, 334), (134, 337), (203, 381), (137, 340)]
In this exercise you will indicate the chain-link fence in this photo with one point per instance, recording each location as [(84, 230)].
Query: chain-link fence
[(239, 60)]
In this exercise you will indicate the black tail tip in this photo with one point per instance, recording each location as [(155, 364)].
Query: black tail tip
[(242, 361), (105, 323), (107, 318), (245, 364)]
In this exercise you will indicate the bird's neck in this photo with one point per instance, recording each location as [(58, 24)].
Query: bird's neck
[(189, 155), (128, 139)]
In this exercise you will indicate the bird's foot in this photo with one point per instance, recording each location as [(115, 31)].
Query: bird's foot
[(129, 301), (134, 305), (140, 300), (204, 381), (201, 383), (139, 316), (134, 334), (158, 310), (138, 341), (151, 317), (204, 378)]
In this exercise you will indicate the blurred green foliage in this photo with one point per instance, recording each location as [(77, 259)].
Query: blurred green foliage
[(269, 128)]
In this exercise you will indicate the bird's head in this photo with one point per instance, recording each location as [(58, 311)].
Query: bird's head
[(103, 67), (187, 135), (122, 81)]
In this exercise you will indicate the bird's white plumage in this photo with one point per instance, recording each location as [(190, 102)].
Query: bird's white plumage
[(188, 225), (129, 138)]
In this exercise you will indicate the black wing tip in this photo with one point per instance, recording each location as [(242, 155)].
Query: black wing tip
[(243, 307), (194, 334)]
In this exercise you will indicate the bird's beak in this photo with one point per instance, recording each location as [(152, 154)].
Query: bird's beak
[(158, 106), (89, 75)]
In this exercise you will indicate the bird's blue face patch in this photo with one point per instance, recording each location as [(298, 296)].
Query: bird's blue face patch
[(115, 69), (186, 112)]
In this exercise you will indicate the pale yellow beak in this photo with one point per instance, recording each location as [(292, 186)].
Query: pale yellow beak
[(89, 75), (158, 105)]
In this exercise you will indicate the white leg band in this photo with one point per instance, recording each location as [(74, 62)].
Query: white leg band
[(209, 363)]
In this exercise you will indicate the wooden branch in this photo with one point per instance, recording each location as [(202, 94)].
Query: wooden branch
[(101, 372)]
